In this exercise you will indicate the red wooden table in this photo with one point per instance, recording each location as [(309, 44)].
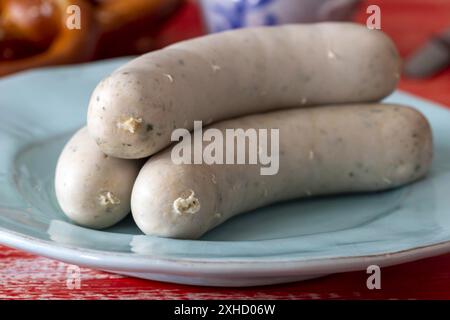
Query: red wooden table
[(409, 23)]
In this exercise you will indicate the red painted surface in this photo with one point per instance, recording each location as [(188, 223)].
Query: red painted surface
[(409, 22)]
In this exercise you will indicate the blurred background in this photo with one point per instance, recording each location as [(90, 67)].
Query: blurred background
[(34, 33)]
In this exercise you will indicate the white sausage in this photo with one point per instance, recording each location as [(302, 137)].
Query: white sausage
[(325, 150), (93, 189), (133, 111)]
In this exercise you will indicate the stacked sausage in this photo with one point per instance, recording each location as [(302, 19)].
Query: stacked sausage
[(318, 84)]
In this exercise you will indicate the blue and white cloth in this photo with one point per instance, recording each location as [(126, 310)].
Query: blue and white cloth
[(222, 15)]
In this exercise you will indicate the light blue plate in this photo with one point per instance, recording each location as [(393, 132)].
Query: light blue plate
[(285, 242)]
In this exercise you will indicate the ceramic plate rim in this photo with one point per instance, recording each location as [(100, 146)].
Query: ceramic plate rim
[(131, 262)]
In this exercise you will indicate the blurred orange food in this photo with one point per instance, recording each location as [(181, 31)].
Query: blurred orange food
[(37, 33)]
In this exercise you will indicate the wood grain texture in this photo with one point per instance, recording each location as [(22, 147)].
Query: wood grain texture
[(26, 276), (409, 22)]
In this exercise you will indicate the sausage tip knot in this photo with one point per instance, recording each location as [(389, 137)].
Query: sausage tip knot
[(131, 124), (107, 198), (187, 205)]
